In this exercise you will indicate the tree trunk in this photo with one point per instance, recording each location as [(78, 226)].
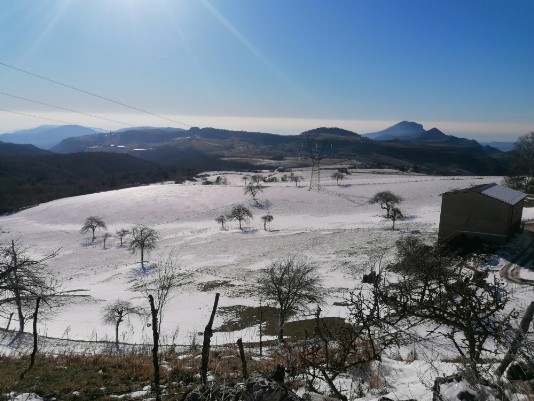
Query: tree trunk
[(518, 339), (142, 258), (34, 351), (243, 359), (16, 292), (9, 321), (208, 333), (93, 231), (155, 337), (240, 225), (281, 323), (18, 302), (117, 334), (261, 330)]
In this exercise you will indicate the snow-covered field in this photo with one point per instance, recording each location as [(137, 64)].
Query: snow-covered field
[(335, 228)]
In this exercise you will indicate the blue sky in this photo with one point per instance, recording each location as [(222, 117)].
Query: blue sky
[(282, 66)]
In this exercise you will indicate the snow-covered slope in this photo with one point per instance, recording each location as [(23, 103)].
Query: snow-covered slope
[(335, 228)]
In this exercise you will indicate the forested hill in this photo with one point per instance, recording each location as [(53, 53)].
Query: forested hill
[(26, 180), (438, 153)]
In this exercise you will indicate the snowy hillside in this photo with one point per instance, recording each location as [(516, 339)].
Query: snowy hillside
[(334, 228)]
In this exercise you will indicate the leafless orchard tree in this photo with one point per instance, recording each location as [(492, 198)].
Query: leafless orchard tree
[(23, 280), (387, 200), (293, 284), (143, 240), (105, 237), (115, 312), (256, 178), (394, 215), (92, 223), (338, 176), (253, 189), (221, 220), (266, 219), (240, 213), (295, 178), (121, 234), (162, 282)]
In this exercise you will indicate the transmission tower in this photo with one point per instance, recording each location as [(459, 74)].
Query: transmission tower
[(315, 150), (315, 180)]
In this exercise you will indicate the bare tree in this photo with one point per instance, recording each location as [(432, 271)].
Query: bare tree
[(143, 240), (459, 304), (394, 215), (35, 338), (295, 178), (105, 237), (23, 280), (121, 234), (293, 284), (253, 189), (387, 200), (221, 220), (240, 213), (206, 343), (155, 348), (114, 313), (521, 175), (92, 223), (266, 219), (338, 347), (256, 178), (338, 176), (162, 282)]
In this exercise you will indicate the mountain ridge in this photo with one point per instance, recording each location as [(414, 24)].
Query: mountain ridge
[(433, 150), (46, 136)]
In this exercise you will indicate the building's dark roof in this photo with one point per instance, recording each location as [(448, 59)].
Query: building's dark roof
[(495, 191)]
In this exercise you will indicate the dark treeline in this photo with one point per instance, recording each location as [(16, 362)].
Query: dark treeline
[(32, 179)]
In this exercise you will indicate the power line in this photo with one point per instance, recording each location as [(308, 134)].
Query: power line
[(34, 116), (64, 108), (93, 94)]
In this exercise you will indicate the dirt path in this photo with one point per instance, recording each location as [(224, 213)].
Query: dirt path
[(511, 271)]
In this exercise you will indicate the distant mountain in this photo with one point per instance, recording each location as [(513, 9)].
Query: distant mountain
[(436, 137), (430, 151), (13, 149), (406, 131), (503, 146), (325, 132), (402, 130), (116, 140), (46, 136)]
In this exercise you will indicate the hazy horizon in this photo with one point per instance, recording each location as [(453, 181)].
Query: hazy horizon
[(278, 66), (479, 131)]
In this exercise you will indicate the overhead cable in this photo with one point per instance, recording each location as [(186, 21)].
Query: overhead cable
[(92, 94), (66, 109), (34, 116)]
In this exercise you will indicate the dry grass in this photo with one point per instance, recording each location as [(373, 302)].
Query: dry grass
[(95, 377), (100, 377)]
